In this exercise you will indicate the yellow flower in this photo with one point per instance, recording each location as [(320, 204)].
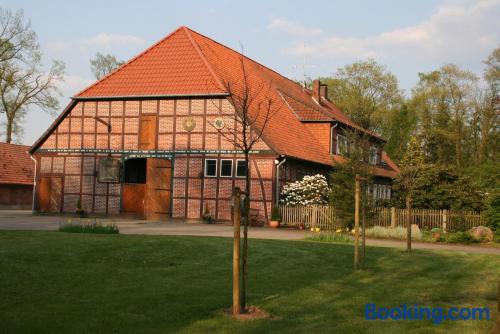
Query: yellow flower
[(312, 229), (353, 231), (317, 229), (338, 231)]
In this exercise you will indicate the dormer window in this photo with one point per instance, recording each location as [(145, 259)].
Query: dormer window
[(341, 145), (373, 158)]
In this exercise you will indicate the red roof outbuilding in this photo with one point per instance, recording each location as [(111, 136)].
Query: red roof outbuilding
[(16, 166)]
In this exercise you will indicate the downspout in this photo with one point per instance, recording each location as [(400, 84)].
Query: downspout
[(278, 165), (34, 187)]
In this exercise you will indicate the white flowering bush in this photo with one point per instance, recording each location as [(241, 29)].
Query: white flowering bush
[(308, 191)]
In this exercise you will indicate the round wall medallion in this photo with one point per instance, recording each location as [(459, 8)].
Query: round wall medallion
[(189, 124), (219, 123)]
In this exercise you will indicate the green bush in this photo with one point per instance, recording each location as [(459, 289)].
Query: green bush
[(89, 228), (392, 233), (493, 213), (275, 213), (461, 238), (330, 237)]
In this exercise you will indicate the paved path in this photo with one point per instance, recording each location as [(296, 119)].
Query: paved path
[(24, 220)]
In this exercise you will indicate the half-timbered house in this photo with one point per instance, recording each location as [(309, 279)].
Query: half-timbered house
[(148, 140)]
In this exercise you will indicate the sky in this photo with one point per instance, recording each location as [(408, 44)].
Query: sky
[(295, 38)]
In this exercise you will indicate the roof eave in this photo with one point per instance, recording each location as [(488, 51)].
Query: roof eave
[(147, 97)]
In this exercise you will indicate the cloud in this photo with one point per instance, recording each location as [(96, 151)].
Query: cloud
[(294, 29), (452, 32), (108, 40)]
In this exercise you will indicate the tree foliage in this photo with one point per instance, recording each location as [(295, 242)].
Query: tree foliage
[(23, 81), (101, 65)]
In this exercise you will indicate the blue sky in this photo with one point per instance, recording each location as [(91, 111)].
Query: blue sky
[(292, 37)]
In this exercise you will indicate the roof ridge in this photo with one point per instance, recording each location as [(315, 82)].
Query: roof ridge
[(121, 67), (203, 58), (251, 59)]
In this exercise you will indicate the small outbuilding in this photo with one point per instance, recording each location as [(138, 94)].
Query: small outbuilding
[(16, 177)]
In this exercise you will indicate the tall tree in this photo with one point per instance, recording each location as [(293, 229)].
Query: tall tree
[(367, 92), (444, 100), (101, 64), (23, 81)]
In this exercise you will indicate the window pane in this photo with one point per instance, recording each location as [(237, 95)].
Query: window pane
[(211, 167), (241, 168), (341, 144), (226, 168)]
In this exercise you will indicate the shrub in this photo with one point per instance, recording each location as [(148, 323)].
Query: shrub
[(493, 213), (310, 190), (392, 233), (89, 228), (275, 213), (330, 237), (458, 224), (461, 237)]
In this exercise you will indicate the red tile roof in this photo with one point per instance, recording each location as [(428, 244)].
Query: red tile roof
[(16, 166), (188, 63)]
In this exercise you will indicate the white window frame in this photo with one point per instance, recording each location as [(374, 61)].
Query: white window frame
[(220, 169), (205, 168), (344, 138), (236, 169), (373, 158)]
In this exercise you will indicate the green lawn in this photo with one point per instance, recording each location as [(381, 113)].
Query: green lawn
[(60, 282)]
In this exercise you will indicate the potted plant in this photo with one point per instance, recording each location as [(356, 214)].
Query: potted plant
[(275, 217), (207, 217), (436, 234), (79, 211)]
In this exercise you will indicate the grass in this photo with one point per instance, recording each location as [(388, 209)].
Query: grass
[(89, 228), (330, 237), (71, 283)]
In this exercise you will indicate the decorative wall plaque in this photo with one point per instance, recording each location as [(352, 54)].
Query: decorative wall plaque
[(189, 124), (219, 123)]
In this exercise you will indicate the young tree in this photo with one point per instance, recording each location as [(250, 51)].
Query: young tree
[(101, 65), (23, 82), (254, 107), (411, 166)]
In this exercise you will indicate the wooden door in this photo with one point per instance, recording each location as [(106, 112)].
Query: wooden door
[(158, 189), (133, 199), (55, 193), (43, 190), (50, 193), (147, 136)]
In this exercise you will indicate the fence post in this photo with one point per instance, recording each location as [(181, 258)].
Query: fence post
[(445, 220), (314, 215), (393, 217)]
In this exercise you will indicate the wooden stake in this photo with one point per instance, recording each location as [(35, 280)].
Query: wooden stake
[(236, 251), (356, 223), (408, 223)]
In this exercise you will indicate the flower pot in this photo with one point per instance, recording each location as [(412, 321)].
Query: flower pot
[(274, 223)]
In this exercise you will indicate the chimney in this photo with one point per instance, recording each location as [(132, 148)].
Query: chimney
[(323, 91), (315, 90)]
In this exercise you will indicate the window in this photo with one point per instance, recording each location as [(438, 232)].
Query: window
[(373, 159), (226, 168), (341, 144), (211, 167), (241, 168), (135, 171)]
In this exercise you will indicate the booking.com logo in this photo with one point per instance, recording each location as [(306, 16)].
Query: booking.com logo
[(436, 314)]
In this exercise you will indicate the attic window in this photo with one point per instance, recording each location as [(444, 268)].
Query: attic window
[(373, 155), (341, 144)]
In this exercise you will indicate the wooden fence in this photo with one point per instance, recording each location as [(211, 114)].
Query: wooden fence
[(323, 216)]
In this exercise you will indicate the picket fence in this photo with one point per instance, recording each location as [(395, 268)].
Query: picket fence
[(324, 217)]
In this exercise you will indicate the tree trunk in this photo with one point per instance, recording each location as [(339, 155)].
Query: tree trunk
[(236, 251), (408, 223), (356, 223), (245, 237), (8, 130), (363, 225)]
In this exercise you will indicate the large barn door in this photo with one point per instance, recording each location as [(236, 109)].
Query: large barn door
[(50, 193), (158, 189)]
